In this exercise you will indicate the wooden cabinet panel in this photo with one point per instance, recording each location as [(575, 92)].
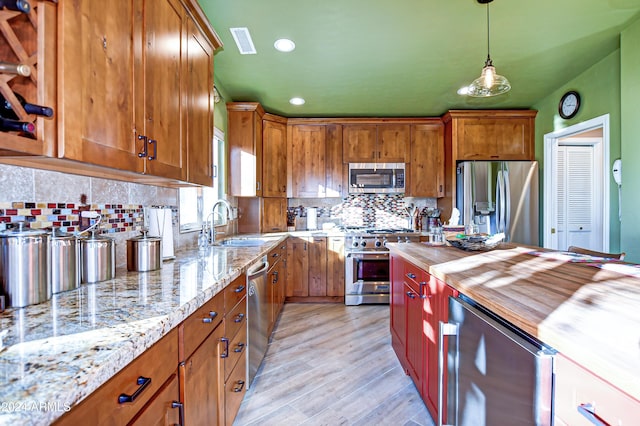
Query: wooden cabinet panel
[(235, 321), (359, 143), (161, 97), (244, 138), (398, 320), (274, 158), (575, 387), (164, 408), (157, 364), (237, 349), (234, 390), (393, 143), (199, 106), (499, 139), (276, 281), (336, 170), (297, 267), (414, 344), (308, 167), (426, 171), (335, 266), (274, 214), (318, 266), (97, 63), (203, 381), (200, 324)]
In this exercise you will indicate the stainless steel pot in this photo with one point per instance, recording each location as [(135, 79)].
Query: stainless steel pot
[(65, 261), (144, 253), (24, 266), (98, 255)]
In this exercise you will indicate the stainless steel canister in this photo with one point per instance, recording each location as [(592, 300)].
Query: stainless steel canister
[(65, 261), (98, 258), (144, 253), (24, 266)]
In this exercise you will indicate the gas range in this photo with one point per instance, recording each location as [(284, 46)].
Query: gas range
[(375, 239)]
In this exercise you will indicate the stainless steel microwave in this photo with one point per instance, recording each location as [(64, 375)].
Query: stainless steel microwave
[(376, 178)]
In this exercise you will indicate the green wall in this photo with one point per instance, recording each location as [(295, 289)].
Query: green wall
[(220, 109), (599, 88), (630, 146)]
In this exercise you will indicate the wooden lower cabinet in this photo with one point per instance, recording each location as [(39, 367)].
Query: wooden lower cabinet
[(141, 380), (164, 408), (313, 270), (234, 390), (419, 302), (276, 281), (600, 402), (201, 377)]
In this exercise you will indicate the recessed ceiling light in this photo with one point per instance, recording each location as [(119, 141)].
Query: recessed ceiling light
[(284, 45), (296, 101)]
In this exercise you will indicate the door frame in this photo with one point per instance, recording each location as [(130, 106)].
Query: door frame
[(551, 142)]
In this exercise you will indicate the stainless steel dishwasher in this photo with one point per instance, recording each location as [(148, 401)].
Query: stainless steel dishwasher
[(257, 315), (497, 374)]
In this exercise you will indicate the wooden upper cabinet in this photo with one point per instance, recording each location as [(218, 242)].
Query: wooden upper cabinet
[(274, 214), (336, 169), (97, 63), (161, 95), (426, 171), (370, 143), (492, 135), (244, 138), (307, 148), (359, 143), (274, 156), (199, 107), (393, 143)]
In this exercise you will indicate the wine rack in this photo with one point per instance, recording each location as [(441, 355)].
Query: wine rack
[(29, 38)]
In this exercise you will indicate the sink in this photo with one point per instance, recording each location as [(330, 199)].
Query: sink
[(246, 242)]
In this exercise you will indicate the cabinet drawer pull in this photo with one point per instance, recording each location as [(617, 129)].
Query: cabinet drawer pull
[(411, 275), (212, 315), (239, 348), (155, 149), (275, 277), (588, 411), (239, 386), (142, 382), (411, 295), (238, 318), (180, 407), (240, 289), (225, 353)]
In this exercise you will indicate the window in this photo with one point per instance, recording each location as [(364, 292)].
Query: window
[(196, 203)]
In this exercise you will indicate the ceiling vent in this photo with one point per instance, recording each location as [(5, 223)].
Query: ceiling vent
[(243, 40)]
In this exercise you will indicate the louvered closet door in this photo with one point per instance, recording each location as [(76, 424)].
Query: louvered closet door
[(576, 200)]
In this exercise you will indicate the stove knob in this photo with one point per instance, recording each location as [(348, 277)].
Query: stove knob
[(378, 243), (399, 239), (407, 240), (355, 244), (363, 243), (384, 241)]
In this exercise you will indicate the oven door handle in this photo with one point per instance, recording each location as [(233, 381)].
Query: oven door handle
[(375, 253)]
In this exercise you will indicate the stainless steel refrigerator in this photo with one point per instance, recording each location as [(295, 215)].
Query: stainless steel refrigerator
[(500, 196)]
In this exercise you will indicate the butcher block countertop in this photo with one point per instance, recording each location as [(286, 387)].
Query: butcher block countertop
[(588, 311)]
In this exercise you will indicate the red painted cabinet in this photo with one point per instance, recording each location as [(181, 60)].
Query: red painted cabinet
[(582, 398), (419, 302)]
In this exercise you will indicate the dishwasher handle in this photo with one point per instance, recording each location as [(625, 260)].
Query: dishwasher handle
[(258, 269)]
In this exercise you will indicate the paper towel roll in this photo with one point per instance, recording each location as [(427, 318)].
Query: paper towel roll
[(160, 226), (312, 218)]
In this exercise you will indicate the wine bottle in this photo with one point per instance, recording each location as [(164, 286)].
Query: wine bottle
[(16, 126), (20, 69), (6, 110), (18, 5)]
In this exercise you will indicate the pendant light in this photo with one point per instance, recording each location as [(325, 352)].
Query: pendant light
[(489, 83)]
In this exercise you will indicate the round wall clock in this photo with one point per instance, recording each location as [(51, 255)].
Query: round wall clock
[(569, 104)]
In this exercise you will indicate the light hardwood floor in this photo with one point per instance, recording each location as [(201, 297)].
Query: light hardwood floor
[(331, 364)]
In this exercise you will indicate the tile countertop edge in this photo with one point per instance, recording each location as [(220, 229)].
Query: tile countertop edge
[(570, 326), (43, 400)]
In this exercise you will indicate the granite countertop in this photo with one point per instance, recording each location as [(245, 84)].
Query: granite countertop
[(58, 352), (587, 310)]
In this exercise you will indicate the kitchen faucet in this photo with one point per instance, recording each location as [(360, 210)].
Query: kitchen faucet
[(229, 209)]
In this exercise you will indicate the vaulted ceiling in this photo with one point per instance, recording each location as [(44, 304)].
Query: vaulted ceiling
[(408, 57)]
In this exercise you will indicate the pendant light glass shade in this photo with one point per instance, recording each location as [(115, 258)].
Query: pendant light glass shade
[(489, 83)]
